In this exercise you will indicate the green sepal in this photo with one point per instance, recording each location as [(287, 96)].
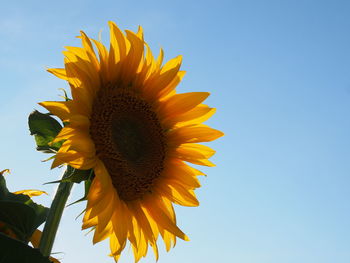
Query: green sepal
[(14, 251), (77, 176), (44, 128), (65, 96), (87, 185), (20, 213), (49, 159)]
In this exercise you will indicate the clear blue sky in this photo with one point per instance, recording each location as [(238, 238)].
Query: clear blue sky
[(278, 72)]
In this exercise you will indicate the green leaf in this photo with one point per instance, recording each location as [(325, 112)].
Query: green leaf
[(19, 217), (14, 251), (3, 189), (41, 213), (44, 128), (19, 212)]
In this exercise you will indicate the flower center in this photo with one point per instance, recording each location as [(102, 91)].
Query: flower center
[(129, 140)]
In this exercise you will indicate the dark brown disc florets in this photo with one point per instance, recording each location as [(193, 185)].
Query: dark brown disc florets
[(129, 140)]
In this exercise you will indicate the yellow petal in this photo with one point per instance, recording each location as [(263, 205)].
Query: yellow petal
[(77, 160), (182, 173), (66, 133), (181, 103), (103, 55), (82, 88), (145, 226), (30, 193), (101, 233), (162, 219), (169, 239), (5, 171), (78, 64), (194, 150), (177, 193), (89, 222), (172, 85), (56, 162), (103, 175), (79, 121), (58, 72), (194, 153), (82, 143), (35, 239), (160, 58), (168, 208), (89, 50), (197, 115), (153, 224), (115, 246), (117, 51), (134, 57), (106, 216), (54, 260), (101, 206), (96, 192), (140, 32), (167, 75), (62, 109), (204, 162), (194, 133), (120, 226)]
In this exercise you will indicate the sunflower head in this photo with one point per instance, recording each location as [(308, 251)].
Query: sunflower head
[(127, 122)]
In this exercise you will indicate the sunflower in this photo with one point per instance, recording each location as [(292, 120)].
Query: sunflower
[(127, 123)]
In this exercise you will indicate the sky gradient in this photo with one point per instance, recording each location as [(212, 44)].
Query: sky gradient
[(278, 74)]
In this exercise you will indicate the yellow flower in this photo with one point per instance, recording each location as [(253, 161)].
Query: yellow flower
[(129, 125)]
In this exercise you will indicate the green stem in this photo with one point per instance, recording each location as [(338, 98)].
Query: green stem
[(55, 214)]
